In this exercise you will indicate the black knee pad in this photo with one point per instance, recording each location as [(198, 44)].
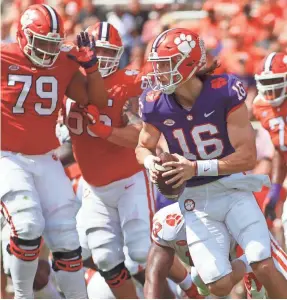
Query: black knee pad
[(117, 276), (70, 261), (14, 247)]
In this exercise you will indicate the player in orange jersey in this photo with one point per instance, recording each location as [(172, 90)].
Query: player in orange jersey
[(36, 196), (117, 201), (270, 108)]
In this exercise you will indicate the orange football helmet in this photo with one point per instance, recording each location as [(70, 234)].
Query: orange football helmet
[(176, 55), (40, 34), (271, 79), (107, 37)]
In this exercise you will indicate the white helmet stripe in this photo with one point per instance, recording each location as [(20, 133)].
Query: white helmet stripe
[(53, 16), (154, 45), (268, 61), (104, 33)]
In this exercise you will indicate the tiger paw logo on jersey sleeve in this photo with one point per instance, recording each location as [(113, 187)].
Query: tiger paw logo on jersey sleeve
[(185, 43), (218, 83)]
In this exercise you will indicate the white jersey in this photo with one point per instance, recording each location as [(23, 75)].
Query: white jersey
[(169, 231)]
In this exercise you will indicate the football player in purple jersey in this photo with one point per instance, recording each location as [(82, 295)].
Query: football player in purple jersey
[(205, 122)]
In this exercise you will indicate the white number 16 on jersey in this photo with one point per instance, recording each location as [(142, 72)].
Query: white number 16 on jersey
[(201, 144)]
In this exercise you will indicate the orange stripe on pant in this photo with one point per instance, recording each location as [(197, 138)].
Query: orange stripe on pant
[(8, 218), (279, 260), (153, 196), (148, 189), (278, 254), (278, 248)]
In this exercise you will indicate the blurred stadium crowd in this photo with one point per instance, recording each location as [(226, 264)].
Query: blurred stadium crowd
[(239, 33)]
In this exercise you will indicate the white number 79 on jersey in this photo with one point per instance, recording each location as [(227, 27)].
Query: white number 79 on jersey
[(27, 81)]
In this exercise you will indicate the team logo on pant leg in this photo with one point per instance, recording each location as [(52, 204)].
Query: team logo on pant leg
[(189, 204), (173, 219)]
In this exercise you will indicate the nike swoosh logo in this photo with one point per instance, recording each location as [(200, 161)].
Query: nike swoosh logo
[(128, 186), (207, 115)]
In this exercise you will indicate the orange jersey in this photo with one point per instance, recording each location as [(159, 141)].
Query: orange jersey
[(274, 120), (102, 162), (30, 100)]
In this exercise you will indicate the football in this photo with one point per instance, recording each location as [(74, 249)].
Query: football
[(166, 189)]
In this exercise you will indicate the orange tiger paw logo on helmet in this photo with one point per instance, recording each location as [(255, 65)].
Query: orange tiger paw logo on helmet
[(173, 219)]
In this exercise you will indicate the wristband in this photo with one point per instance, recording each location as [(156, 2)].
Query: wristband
[(207, 167), (92, 69), (275, 189), (186, 283), (274, 193)]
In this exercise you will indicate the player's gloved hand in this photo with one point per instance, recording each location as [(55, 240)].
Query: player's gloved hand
[(92, 115), (271, 201), (86, 54), (149, 163)]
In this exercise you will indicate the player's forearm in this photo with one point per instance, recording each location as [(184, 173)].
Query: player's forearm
[(97, 92), (126, 137), (241, 160), (279, 169), (142, 153)]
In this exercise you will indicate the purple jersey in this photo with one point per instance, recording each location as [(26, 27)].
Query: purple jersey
[(199, 133)]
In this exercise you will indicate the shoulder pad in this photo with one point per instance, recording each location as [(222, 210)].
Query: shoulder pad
[(230, 88), (171, 221), (219, 84)]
